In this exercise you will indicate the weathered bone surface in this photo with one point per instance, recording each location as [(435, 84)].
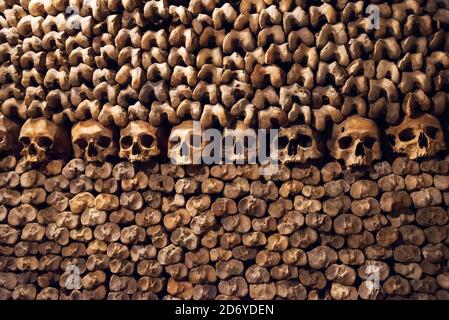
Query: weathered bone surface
[(138, 141), (185, 145), (41, 139), (240, 143), (356, 141), (298, 144), (417, 137), (93, 141), (363, 216)]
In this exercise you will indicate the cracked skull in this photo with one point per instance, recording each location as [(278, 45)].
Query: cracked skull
[(42, 138), (417, 137), (185, 145), (9, 132), (298, 144), (138, 141), (93, 141), (355, 141)]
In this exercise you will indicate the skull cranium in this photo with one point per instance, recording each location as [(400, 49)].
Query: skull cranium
[(93, 141), (356, 141), (9, 132), (185, 144), (41, 138), (298, 144), (240, 143), (138, 141), (417, 137)]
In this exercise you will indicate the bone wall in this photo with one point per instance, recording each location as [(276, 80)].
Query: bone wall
[(224, 231), (90, 93)]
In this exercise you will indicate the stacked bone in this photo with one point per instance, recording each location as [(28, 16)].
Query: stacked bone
[(226, 232), (283, 64), (145, 230)]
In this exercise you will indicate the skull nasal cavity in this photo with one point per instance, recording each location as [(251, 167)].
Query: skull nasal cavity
[(360, 150), (32, 150), (91, 151), (136, 149), (185, 150), (422, 141), (292, 148)]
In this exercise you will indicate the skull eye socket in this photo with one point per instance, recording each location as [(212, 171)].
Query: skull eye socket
[(175, 139), (406, 135), (44, 142), (104, 141), (431, 132), (304, 141), (282, 142), (81, 143), (25, 141), (345, 142), (126, 142), (146, 140), (369, 142)]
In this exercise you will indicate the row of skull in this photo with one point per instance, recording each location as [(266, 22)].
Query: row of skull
[(356, 140)]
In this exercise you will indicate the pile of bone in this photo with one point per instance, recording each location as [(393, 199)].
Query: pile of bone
[(266, 63), (224, 232), (111, 79), (116, 74)]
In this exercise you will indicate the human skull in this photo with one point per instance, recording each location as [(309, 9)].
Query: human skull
[(9, 132), (42, 138), (93, 141), (417, 137), (185, 145), (240, 143), (298, 144), (138, 141), (356, 141)]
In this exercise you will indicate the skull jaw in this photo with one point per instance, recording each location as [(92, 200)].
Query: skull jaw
[(141, 157), (355, 161), (247, 155), (99, 157), (238, 159), (34, 159), (178, 159), (176, 156), (419, 153), (285, 158), (39, 157), (414, 151), (94, 153), (302, 156)]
